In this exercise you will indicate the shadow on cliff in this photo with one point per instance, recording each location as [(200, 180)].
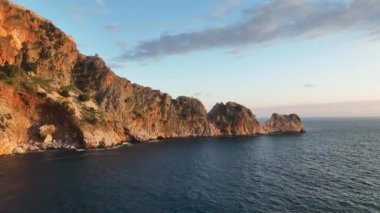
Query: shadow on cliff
[(67, 132)]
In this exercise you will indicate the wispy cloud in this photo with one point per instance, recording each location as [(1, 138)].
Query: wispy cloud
[(369, 108), (309, 86), (116, 66), (200, 94), (113, 27), (274, 20), (82, 13), (224, 7), (99, 2)]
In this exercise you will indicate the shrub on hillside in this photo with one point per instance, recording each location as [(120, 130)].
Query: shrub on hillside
[(12, 70), (28, 86), (84, 97), (3, 77), (64, 93), (67, 107), (30, 67)]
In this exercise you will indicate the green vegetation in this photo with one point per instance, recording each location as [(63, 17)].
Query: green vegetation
[(9, 74), (17, 76), (12, 71), (66, 105), (28, 86), (92, 120), (70, 88), (65, 90), (44, 83), (15, 17), (90, 115), (84, 97), (38, 44), (31, 67), (64, 93), (3, 77), (62, 105)]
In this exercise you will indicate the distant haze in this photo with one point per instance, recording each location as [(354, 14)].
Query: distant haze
[(258, 53), (344, 109)]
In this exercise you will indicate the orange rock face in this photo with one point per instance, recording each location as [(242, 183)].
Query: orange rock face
[(233, 119), (144, 113), (35, 44), (43, 76), (278, 124)]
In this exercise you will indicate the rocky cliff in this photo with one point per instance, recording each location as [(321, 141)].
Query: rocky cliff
[(53, 97), (35, 44), (232, 119), (143, 113), (278, 124)]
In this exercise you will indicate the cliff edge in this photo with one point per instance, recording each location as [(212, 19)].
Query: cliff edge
[(53, 97)]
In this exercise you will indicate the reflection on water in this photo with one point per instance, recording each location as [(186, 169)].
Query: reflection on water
[(335, 166)]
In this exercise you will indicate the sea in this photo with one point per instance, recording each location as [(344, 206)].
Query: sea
[(333, 167)]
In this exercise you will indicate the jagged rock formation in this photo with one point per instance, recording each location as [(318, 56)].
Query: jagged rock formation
[(144, 113), (232, 119), (53, 97), (278, 124), (35, 44)]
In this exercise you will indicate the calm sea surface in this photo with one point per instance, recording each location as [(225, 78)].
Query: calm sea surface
[(334, 167)]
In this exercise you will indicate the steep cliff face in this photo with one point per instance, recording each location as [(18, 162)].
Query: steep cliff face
[(29, 105), (143, 113), (23, 112), (278, 124), (36, 64), (232, 119), (52, 97), (35, 44)]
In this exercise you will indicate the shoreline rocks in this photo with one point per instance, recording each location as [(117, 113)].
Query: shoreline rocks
[(278, 124), (43, 76), (46, 130), (233, 119)]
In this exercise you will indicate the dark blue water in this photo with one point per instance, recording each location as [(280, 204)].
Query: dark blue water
[(334, 167)]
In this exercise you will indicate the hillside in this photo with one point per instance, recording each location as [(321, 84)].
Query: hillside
[(53, 97)]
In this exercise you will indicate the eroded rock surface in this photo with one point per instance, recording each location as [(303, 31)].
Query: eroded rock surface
[(278, 124), (53, 97), (232, 119), (46, 130), (35, 44), (144, 113)]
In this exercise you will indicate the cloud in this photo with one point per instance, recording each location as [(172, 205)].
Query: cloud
[(82, 13), (274, 20), (197, 94), (99, 2), (309, 86), (116, 66), (369, 108), (122, 44), (200, 94), (112, 27), (225, 7)]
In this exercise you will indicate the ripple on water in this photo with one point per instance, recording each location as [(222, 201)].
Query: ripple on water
[(333, 167)]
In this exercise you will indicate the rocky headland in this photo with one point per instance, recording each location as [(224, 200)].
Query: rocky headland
[(53, 97)]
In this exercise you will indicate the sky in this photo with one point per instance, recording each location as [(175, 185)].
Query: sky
[(278, 55)]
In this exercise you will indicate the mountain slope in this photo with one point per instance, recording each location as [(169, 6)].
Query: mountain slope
[(53, 97)]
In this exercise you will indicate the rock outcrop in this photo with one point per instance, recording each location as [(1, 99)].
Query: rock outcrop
[(143, 113), (278, 124), (46, 130), (35, 44), (53, 97), (232, 119)]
